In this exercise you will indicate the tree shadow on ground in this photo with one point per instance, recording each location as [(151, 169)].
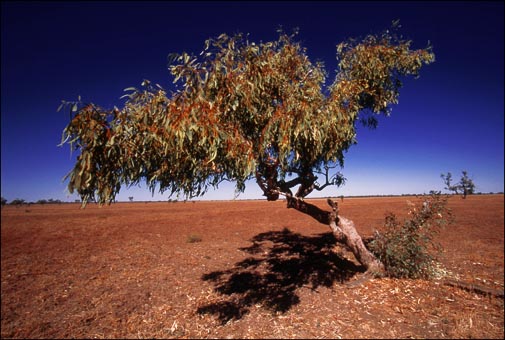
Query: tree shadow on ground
[(281, 262)]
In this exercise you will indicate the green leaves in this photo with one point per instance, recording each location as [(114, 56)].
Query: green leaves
[(409, 249), (238, 102), (370, 70)]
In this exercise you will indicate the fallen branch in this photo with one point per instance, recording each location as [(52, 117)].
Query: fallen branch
[(473, 288)]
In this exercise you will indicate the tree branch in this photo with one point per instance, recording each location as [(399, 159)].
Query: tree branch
[(292, 183), (271, 188), (322, 216), (266, 177), (336, 179)]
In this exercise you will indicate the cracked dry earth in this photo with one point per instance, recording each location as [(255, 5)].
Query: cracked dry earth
[(238, 269)]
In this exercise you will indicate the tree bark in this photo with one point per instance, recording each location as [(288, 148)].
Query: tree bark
[(342, 228), (344, 231)]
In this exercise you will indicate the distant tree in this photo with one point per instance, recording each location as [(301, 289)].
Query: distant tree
[(245, 111), (465, 186), (130, 198), (3, 201), (18, 202), (42, 201)]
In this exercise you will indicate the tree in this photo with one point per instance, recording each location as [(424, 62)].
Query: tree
[(244, 111), (3, 201), (130, 198), (17, 202), (465, 186)]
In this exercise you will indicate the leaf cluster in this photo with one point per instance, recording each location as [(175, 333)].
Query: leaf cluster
[(238, 106)]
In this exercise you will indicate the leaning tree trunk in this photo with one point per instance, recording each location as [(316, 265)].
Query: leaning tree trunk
[(343, 229)]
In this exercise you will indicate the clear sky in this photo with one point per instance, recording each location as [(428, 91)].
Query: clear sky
[(450, 119)]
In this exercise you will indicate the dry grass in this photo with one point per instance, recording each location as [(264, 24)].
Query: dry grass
[(194, 238)]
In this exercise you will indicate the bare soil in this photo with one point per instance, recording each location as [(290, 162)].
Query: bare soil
[(238, 269)]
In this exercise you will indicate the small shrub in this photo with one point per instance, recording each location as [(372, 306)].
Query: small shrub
[(193, 238), (409, 250)]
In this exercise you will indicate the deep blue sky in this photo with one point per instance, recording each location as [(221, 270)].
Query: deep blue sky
[(450, 119)]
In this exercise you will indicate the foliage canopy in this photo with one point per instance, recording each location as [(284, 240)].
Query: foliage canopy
[(242, 110)]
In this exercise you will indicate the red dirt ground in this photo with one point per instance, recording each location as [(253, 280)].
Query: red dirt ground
[(241, 269)]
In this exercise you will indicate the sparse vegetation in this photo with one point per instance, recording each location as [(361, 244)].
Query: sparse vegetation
[(265, 275), (194, 238), (49, 201), (408, 249), (18, 202)]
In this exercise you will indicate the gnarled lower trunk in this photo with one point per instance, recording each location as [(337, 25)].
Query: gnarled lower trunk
[(343, 229)]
